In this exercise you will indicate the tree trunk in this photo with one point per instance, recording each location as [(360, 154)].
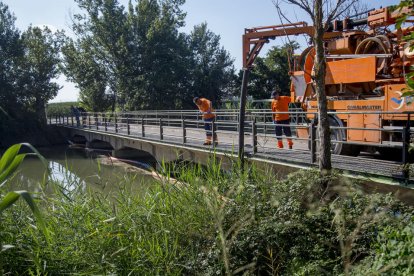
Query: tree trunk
[(41, 112), (320, 71)]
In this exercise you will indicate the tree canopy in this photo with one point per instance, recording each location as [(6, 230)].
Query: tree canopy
[(138, 59), (29, 64)]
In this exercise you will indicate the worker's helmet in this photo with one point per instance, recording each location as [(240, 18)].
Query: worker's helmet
[(195, 100), (276, 92)]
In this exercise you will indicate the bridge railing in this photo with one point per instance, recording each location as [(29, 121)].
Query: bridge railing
[(187, 127)]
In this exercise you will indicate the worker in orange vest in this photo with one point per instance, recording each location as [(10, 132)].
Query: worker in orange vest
[(281, 120), (205, 107)]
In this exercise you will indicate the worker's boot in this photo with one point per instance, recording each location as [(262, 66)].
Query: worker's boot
[(280, 144), (290, 143), (208, 141)]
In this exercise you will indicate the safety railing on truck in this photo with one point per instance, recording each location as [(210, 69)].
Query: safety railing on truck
[(187, 127)]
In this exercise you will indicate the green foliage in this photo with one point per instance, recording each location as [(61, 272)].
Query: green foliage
[(213, 71), (136, 58), (9, 163), (210, 222), (28, 65), (393, 254), (38, 68), (59, 109)]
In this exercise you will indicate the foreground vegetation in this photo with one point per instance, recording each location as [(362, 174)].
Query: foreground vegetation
[(209, 222)]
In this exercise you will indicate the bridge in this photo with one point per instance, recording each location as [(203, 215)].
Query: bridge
[(179, 135)]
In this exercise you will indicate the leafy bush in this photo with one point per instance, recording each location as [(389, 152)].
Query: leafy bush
[(208, 222), (393, 253)]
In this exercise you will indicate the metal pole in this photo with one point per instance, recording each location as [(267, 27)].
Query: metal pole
[(406, 145), (142, 127), (242, 111), (184, 131), (105, 123), (213, 131), (161, 130), (116, 123), (312, 131), (97, 121), (89, 121), (128, 126), (254, 134)]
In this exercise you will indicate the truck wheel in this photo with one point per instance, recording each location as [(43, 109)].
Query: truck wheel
[(340, 135)]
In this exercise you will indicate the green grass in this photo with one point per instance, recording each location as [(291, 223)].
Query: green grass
[(210, 222)]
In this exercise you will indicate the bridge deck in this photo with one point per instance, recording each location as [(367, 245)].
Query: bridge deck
[(367, 164)]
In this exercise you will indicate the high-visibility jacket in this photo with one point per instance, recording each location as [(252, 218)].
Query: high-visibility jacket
[(281, 105), (206, 108)]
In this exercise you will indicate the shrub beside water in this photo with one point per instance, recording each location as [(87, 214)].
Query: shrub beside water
[(210, 223)]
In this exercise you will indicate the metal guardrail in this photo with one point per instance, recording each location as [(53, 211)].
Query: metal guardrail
[(178, 127)]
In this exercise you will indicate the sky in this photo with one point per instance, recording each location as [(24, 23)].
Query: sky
[(227, 18)]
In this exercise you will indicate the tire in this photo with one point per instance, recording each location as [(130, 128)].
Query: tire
[(339, 135)]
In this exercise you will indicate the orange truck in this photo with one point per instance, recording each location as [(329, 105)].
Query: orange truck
[(365, 77)]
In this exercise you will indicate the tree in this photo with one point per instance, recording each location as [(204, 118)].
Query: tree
[(37, 68), (213, 70), (11, 50), (82, 68), (164, 63), (28, 65), (103, 28), (140, 51), (322, 12)]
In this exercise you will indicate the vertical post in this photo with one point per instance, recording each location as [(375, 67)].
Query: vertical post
[(89, 121), (312, 131), (128, 126), (71, 118), (97, 121), (161, 130), (406, 135), (254, 134), (184, 131), (213, 131), (50, 120), (59, 120), (242, 111), (116, 123), (142, 127), (198, 119), (105, 123)]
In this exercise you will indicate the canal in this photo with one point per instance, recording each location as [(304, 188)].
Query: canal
[(79, 170)]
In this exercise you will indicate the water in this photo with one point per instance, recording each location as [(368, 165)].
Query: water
[(74, 169)]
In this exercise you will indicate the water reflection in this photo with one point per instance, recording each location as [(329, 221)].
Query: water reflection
[(68, 180), (72, 170)]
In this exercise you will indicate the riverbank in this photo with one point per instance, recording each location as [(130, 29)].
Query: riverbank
[(266, 225), (36, 137)]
